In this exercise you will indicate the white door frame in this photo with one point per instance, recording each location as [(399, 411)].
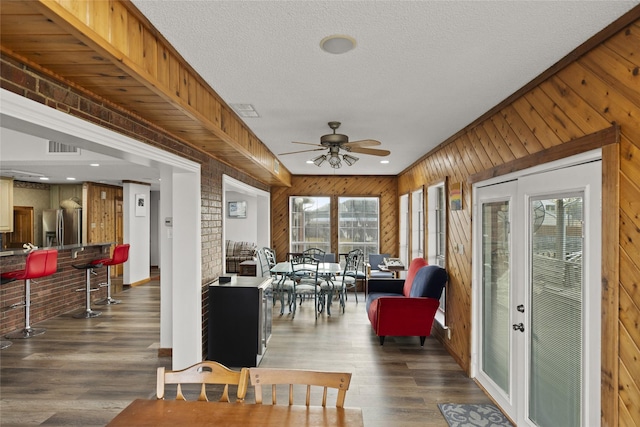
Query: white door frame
[(592, 296)]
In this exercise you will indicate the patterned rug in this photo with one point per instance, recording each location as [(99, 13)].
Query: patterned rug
[(486, 415)]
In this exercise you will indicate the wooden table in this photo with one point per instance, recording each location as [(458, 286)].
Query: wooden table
[(154, 413)]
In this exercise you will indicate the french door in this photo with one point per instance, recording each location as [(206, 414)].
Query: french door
[(537, 295)]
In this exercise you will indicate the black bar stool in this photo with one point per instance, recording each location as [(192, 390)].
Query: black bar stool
[(38, 264), (87, 313), (120, 256)]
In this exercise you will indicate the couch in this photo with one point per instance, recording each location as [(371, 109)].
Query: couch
[(237, 252), (406, 307)]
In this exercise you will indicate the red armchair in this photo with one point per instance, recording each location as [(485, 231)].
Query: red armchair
[(406, 307)]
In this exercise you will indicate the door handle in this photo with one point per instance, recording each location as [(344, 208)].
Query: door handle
[(518, 327)]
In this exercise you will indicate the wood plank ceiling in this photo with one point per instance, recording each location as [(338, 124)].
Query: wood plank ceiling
[(109, 49)]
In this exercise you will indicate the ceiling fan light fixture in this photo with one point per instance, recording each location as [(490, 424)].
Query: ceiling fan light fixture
[(334, 161), (349, 159), (319, 160), (337, 44)]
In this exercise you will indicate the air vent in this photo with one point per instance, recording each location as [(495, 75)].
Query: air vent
[(245, 110), (60, 148)]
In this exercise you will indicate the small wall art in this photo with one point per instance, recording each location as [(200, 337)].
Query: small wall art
[(237, 209), (141, 205), (455, 196)]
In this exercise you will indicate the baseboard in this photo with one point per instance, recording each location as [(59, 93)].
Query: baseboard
[(141, 282), (165, 352)]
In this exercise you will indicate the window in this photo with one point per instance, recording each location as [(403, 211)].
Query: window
[(358, 224), (417, 224), (404, 229), (437, 220), (437, 235), (310, 223)]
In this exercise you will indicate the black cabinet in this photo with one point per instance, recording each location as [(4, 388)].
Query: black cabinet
[(240, 318)]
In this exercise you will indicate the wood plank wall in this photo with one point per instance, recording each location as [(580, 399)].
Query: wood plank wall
[(101, 212), (384, 187), (589, 95)]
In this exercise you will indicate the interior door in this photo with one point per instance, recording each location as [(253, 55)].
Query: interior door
[(538, 301)]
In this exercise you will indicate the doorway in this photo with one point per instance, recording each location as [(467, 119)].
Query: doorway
[(255, 223), (537, 259)]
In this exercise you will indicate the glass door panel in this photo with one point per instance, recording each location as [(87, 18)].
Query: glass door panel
[(496, 268), (496, 344), (556, 301)]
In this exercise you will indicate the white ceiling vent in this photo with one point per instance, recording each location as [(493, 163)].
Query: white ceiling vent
[(60, 148)]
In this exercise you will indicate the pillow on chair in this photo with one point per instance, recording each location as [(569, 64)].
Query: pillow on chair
[(429, 282), (415, 265)]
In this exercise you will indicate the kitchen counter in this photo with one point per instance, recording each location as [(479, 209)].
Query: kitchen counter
[(77, 247)]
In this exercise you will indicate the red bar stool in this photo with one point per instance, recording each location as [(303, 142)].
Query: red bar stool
[(120, 256), (38, 264)]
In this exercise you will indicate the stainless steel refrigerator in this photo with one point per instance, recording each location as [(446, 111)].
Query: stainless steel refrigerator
[(61, 227)]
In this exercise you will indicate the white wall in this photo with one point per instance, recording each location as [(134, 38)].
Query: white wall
[(242, 229), (136, 233), (155, 224)]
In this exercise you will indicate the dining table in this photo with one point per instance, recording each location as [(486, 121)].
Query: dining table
[(324, 268), (157, 413)]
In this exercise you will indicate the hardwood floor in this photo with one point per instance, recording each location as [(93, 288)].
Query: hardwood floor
[(82, 372)]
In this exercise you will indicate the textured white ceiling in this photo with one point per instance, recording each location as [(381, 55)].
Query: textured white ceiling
[(421, 70)]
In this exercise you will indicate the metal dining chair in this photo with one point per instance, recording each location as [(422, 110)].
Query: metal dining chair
[(306, 282), (353, 271)]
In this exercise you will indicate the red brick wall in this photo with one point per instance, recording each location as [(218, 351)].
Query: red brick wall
[(34, 84)]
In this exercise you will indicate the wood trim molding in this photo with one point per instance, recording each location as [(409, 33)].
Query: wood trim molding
[(127, 181), (141, 282), (609, 344), (165, 352), (580, 145)]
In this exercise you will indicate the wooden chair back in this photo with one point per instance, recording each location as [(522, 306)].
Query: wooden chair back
[(204, 373), (273, 376)]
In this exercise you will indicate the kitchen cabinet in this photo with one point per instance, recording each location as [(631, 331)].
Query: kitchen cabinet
[(6, 205)]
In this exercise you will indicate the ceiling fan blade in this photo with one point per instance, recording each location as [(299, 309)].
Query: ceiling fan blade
[(302, 151), (372, 151), (362, 143), (306, 143)]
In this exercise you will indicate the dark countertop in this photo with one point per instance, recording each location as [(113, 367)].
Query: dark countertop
[(60, 248), (244, 282)]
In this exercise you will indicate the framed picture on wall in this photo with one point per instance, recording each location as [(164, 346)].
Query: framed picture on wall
[(141, 205), (237, 209), (455, 196)]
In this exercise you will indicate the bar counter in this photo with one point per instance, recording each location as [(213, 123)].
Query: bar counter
[(53, 295)]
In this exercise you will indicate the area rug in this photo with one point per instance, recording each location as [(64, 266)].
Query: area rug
[(485, 415)]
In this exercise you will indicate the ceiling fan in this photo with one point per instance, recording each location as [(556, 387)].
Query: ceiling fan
[(336, 142)]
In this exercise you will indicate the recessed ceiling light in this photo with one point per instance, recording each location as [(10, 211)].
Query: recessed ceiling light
[(94, 164), (310, 162), (70, 178), (384, 162), (44, 178), (337, 44)]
